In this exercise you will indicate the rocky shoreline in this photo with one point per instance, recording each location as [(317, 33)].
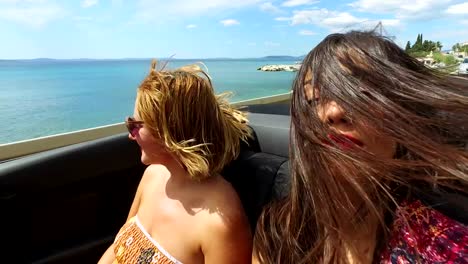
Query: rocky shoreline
[(280, 67)]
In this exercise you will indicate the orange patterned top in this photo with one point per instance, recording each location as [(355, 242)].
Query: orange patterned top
[(134, 245)]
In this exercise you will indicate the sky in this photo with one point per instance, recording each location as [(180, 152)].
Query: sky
[(104, 29)]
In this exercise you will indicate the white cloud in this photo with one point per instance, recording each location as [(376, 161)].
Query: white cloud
[(150, 10), (88, 3), (324, 17), (191, 26), (270, 8), (307, 33), (34, 15), (459, 9), (394, 25), (464, 22), (390, 22), (271, 44), (403, 9), (291, 3), (283, 19), (341, 19), (229, 22), (335, 21)]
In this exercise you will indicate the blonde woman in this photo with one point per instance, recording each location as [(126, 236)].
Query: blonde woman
[(184, 211)]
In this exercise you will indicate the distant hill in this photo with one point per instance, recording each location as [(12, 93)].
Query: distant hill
[(282, 57), (42, 59)]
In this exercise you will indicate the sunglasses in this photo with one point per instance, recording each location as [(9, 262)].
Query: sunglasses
[(132, 125)]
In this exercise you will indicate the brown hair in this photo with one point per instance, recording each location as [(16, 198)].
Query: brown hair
[(200, 128), (333, 192)]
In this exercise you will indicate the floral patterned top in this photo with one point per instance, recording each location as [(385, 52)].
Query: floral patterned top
[(133, 245), (421, 234)]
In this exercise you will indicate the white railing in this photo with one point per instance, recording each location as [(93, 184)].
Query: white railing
[(30, 146)]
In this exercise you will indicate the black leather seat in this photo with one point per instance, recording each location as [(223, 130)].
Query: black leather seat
[(258, 178), (261, 172)]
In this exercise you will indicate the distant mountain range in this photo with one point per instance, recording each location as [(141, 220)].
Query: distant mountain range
[(273, 57)]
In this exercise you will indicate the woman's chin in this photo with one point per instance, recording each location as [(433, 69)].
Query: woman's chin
[(145, 160), (152, 158)]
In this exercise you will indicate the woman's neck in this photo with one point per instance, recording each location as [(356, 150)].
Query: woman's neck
[(178, 182), (362, 246)]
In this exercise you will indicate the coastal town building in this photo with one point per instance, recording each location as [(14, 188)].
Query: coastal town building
[(462, 52)]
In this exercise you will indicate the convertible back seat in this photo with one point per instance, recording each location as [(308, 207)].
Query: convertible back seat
[(258, 178), (66, 205), (261, 172)]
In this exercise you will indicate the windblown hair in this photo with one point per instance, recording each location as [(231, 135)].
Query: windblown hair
[(335, 192), (200, 128)]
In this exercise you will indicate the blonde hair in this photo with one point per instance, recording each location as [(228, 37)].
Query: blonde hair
[(200, 128)]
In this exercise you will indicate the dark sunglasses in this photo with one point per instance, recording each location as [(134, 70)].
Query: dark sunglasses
[(133, 124)]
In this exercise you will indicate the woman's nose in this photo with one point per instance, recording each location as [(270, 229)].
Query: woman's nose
[(333, 114)]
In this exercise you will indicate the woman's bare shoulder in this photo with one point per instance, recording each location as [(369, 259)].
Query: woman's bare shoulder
[(226, 232), (224, 206), (153, 171)]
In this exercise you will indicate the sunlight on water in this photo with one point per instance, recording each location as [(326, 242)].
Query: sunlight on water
[(39, 98)]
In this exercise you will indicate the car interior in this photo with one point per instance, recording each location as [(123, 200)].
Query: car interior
[(66, 205)]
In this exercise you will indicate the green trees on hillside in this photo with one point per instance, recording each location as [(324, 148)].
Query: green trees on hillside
[(446, 59), (457, 48), (408, 46), (422, 47)]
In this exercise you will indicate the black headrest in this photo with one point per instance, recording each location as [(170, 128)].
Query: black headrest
[(451, 203), (258, 178), (282, 184)]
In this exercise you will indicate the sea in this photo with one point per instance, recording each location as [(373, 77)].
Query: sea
[(45, 97)]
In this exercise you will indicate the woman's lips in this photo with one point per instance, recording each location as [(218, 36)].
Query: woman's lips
[(345, 141)]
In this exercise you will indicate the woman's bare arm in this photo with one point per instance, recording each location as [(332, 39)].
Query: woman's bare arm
[(228, 241), (109, 256)]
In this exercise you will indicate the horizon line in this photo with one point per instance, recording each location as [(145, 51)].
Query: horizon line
[(150, 58)]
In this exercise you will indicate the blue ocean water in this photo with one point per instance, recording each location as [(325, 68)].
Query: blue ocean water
[(46, 97)]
